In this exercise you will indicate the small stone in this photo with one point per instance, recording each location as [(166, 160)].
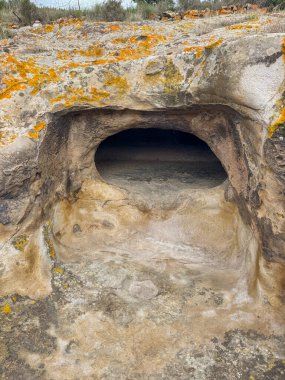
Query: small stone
[(89, 70), (76, 228), (37, 24), (107, 224), (144, 290)]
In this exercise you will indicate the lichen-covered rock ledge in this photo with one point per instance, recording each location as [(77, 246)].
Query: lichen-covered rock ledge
[(65, 88)]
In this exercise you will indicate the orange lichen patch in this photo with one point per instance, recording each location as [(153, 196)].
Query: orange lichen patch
[(119, 41), (172, 78), (6, 138), (92, 51), (33, 135), (118, 82), (40, 126), (57, 99), (97, 95), (147, 28), (70, 22), (112, 28), (144, 43), (40, 78), (276, 125), (131, 54), (20, 242), (78, 95), (103, 61), (63, 54), (197, 50), (243, 26), (148, 40), (283, 47), (191, 14), (12, 84), (49, 28), (6, 309), (27, 73), (213, 42)]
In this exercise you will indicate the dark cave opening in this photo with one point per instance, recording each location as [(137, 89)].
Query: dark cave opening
[(162, 158)]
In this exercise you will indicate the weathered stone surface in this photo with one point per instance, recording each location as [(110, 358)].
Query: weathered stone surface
[(99, 282)]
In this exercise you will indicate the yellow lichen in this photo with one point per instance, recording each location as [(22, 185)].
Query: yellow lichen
[(95, 51), (92, 51), (70, 22), (78, 95), (119, 40), (118, 82), (172, 78), (271, 364), (20, 242), (6, 137), (213, 42), (243, 26), (64, 54), (112, 28), (128, 54), (49, 28), (25, 73), (12, 85), (33, 135), (6, 309), (58, 270), (40, 126), (276, 125), (197, 50)]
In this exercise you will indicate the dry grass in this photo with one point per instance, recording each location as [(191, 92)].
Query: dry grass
[(5, 33)]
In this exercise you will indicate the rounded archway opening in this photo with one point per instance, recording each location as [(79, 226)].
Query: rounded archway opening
[(158, 160)]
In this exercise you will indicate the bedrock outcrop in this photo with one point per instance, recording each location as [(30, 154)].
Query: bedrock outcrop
[(64, 89)]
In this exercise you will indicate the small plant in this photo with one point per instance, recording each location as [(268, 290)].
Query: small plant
[(253, 16), (145, 10), (163, 6), (27, 11), (5, 33), (112, 10), (2, 5)]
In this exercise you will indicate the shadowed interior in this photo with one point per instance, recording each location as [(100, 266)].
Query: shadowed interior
[(160, 158)]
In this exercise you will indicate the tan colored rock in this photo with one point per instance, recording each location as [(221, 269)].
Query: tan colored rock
[(105, 282)]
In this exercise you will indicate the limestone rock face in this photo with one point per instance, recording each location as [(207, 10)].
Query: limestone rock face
[(65, 88), (58, 73)]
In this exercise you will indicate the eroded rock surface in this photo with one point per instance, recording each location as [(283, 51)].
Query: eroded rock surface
[(100, 280)]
